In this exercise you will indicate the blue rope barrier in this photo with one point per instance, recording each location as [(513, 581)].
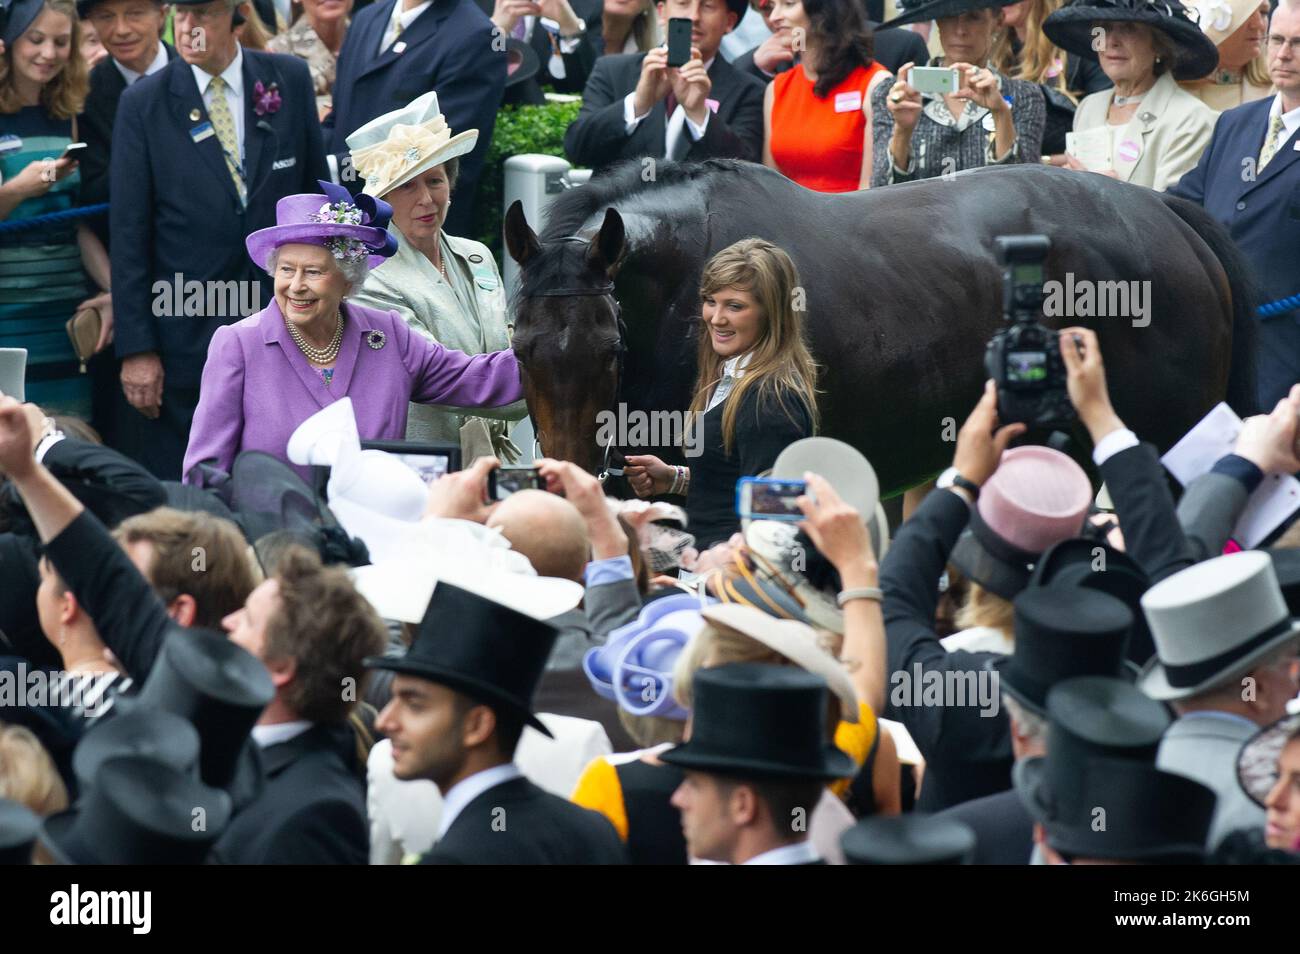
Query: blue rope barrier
[(51, 218), (1279, 306)]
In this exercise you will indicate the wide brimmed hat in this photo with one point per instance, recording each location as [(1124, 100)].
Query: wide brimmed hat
[(479, 647), (756, 720), (909, 840), (1071, 28), (19, 826), (1257, 769), (396, 147), (1036, 498), (850, 475), (1213, 622), (939, 10), (1220, 19), (353, 229)]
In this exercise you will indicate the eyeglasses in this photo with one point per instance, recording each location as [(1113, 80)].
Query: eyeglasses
[(1292, 44)]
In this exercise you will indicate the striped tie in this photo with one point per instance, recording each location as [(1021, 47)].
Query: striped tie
[(1271, 143), (224, 124)]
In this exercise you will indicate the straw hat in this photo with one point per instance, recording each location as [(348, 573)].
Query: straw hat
[(395, 148)]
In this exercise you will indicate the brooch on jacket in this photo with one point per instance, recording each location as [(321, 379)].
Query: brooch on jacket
[(266, 99), (375, 339)]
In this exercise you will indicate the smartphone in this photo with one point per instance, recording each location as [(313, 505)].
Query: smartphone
[(933, 80), (505, 481), (679, 40), (73, 147), (769, 498)]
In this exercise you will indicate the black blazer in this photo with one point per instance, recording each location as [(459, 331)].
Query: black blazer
[(95, 127), (312, 809), (449, 49), (517, 823), (175, 208), (1004, 830), (893, 48), (598, 137)]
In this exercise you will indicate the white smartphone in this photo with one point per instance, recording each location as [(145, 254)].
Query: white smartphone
[(72, 149), (933, 80)]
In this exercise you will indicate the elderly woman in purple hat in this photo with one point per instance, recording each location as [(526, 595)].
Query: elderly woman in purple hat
[(269, 372)]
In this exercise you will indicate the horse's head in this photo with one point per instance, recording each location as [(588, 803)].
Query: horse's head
[(568, 337)]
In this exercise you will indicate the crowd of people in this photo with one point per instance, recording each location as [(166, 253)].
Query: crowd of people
[(216, 592)]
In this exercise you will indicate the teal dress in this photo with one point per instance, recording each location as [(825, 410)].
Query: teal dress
[(41, 277)]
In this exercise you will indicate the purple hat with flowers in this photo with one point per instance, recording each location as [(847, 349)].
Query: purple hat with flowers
[(354, 229)]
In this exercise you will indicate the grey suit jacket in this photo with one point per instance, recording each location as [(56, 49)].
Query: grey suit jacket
[(1209, 510), (1203, 746)]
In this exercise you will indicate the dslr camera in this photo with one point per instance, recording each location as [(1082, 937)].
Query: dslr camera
[(1025, 358)]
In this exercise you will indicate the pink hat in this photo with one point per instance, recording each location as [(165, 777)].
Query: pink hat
[(1035, 499)]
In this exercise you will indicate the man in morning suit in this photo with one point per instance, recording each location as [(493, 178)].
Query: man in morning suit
[(461, 697), (200, 158), (1249, 179), (635, 106), (395, 51), (558, 33)]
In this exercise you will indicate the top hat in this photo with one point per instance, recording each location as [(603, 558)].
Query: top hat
[(521, 62), (939, 10), (353, 228), (1213, 622), (147, 733), (85, 6), (1036, 498), (908, 840), (1062, 632), (1071, 28), (762, 721), (139, 811), (1257, 768), (1103, 736), (394, 148), (475, 645), (13, 373), (19, 826)]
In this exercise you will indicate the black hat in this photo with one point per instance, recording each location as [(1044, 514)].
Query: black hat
[(220, 688), (908, 840), (1062, 632), (1099, 566), (739, 8), (138, 811), (1097, 792), (1071, 28), (19, 826), (148, 733), (940, 9), (85, 6), (755, 719), (487, 651), (521, 62), (19, 16)]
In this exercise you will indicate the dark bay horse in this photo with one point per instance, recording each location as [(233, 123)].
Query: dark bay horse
[(902, 293)]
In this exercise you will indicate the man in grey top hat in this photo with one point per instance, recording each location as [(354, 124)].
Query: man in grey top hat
[(1226, 660)]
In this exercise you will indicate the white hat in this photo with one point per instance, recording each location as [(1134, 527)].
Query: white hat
[(13, 372), (1213, 622), (1219, 19), (849, 474), (320, 438), (396, 147)]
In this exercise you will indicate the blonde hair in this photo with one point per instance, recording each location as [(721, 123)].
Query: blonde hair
[(649, 731), (1038, 54), (985, 608), (27, 773), (645, 29), (780, 362), (253, 33), (63, 96)]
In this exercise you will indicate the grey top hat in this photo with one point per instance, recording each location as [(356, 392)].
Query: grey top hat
[(1213, 622)]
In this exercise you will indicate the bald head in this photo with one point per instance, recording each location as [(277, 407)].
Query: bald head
[(547, 529)]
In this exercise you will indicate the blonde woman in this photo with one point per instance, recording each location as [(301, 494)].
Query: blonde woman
[(1238, 29), (624, 26), (755, 389), (28, 775)]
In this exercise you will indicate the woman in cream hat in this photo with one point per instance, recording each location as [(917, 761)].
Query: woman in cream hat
[(1238, 29), (447, 289)]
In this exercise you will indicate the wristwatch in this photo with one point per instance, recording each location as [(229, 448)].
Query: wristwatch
[(951, 478)]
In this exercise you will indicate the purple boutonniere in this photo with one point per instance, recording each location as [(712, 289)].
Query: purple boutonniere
[(266, 99)]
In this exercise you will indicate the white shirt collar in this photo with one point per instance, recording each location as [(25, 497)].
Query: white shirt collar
[(735, 367), (232, 74), (268, 735), (800, 853), (159, 61), (466, 790), (1290, 121), (407, 17)]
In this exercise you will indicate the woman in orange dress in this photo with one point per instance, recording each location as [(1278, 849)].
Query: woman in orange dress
[(817, 116)]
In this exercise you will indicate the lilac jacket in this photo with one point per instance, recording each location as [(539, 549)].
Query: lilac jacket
[(258, 387)]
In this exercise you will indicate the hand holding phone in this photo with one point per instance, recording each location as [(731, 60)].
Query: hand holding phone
[(72, 149), (504, 481), (679, 41), (770, 498), (933, 80)]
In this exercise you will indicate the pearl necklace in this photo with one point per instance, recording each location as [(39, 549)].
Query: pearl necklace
[(318, 355)]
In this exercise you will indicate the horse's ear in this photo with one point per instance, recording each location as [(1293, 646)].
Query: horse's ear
[(521, 240), (607, 247)]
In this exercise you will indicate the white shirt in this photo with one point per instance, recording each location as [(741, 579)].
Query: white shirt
[(1117, 440), (159, 61), (674, 148), (799, 853), (405, 18), (268, 735), (233, 75), (1290, 121), (466, 790), (732, 371)]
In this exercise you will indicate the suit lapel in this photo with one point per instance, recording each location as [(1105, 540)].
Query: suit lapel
[(257, 129), (425, 25), (185, 103), (1132, 143), (1282, 159)]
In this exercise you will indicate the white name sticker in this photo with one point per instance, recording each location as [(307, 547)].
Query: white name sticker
[(848, 102), (284, 163)]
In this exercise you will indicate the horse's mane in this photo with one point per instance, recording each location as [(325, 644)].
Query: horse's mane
[(571, 210)]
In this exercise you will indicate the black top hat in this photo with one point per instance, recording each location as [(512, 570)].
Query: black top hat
[(1098, 792), (1071, 28), (1099, 566), (85, 6), (19, 826), (759, 720), (521, 62), (1062, 632), (147, 733), (138, 812), (908, 840), (220, 688), (487, 651), (939, 10)]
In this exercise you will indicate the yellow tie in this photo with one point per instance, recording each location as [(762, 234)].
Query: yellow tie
[(224, 124), (1271, 143)]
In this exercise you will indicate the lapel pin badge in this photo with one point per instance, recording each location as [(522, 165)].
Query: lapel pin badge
[(399, 47), (194, 115), (375, 339)]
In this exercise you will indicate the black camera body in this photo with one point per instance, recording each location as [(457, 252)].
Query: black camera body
[(1024, 359)]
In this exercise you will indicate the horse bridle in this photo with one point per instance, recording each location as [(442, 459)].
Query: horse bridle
[(603, 291)]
